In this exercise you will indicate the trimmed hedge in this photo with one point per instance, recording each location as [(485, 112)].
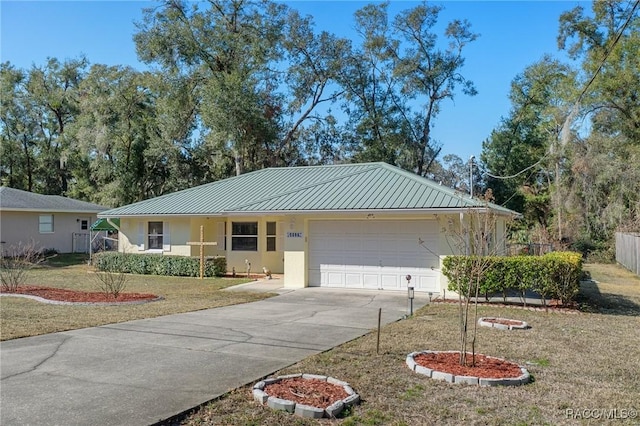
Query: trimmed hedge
[(554, 275), (157, 264)]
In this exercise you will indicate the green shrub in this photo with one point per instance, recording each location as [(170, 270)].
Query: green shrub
[(157, 264), (554, 275)]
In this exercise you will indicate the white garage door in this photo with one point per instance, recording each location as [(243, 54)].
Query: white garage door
[(373, 254)]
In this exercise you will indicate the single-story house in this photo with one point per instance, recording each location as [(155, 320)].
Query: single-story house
[(351, 226), (47, 221)]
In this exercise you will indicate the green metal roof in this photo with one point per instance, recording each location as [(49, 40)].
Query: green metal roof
[(347, 187), (102, 224)]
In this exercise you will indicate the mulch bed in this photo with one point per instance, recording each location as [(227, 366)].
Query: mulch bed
[(313, 392), (485, 367), (64, 295)]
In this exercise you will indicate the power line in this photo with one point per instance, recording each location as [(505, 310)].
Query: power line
[(565, 125), (519, 173), (582, 93), (615, 41)]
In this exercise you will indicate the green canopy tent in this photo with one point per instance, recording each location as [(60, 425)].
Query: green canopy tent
[(105, 229)]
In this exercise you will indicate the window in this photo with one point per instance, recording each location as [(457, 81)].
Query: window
[(84, 224), (244, 236), (45, 223), (271, 236), (155, 235)]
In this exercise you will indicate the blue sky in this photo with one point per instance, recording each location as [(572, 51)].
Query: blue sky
[(513, 35)]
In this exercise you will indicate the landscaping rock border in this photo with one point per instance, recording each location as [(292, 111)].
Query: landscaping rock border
[(302, 410), (61, 302), (487, 322), (524, 378)]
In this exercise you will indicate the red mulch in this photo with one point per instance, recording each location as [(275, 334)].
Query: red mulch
[(64, 295), (485, 367), (314, 392)]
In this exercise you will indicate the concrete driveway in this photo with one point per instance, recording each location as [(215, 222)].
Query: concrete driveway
[(141, 372)]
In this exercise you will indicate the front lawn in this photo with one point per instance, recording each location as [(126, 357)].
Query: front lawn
[(22, 317), (583, 364)]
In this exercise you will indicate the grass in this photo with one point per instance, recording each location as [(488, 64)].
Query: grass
[(23, 317), (581, 361)]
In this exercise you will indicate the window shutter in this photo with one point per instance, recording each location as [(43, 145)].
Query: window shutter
[(280, 238), (221, 234), (140, 236), (166, 237)]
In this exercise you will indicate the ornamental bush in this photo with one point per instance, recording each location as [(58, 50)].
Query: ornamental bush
[(157, 264), (554, 275)]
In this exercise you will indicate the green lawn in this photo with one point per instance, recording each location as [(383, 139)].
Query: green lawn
[(22, 317), (580, 361)]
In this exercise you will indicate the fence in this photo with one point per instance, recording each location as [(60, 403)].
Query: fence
[(628, 251)]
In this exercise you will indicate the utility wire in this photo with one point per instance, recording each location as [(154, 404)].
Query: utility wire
[(584, 90), (575, 106), (519, 173), (615, 41)]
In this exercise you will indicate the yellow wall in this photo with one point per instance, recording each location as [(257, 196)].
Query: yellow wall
[(184, 230), (179, 231), (291, 257), (23, 227), (274, 261), (296, 274)]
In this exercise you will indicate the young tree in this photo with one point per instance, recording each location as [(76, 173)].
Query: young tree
[(16, 262), (475, 235)]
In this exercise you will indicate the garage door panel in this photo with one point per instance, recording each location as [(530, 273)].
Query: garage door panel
[(390, 282), (353, 244), (371, 280), (427, 283), (353, 280), (371, 254), (335, 279)]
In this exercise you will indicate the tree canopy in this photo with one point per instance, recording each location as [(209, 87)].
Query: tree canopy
[(239, 85)]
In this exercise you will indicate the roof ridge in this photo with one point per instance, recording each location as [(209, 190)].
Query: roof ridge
[(311, 185)]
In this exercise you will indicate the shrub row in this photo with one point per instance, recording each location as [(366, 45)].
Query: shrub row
[(554, 275), (157, 264)]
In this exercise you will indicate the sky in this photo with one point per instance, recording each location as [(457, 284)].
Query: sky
[(513, 35)]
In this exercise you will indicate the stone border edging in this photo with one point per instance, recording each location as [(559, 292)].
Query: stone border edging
[(486, 322), (62, 302), (524, 378), (302, 410)]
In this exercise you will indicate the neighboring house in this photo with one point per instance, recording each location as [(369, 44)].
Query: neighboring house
[(351, 226), (48, 221)]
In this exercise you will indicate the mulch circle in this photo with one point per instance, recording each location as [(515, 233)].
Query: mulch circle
[(81, 297), (479, 369), (306, 395), (485, 367), (314, 392)]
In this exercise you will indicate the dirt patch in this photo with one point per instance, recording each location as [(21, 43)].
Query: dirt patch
[(485, 367), (75, 296), (313, 392)]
